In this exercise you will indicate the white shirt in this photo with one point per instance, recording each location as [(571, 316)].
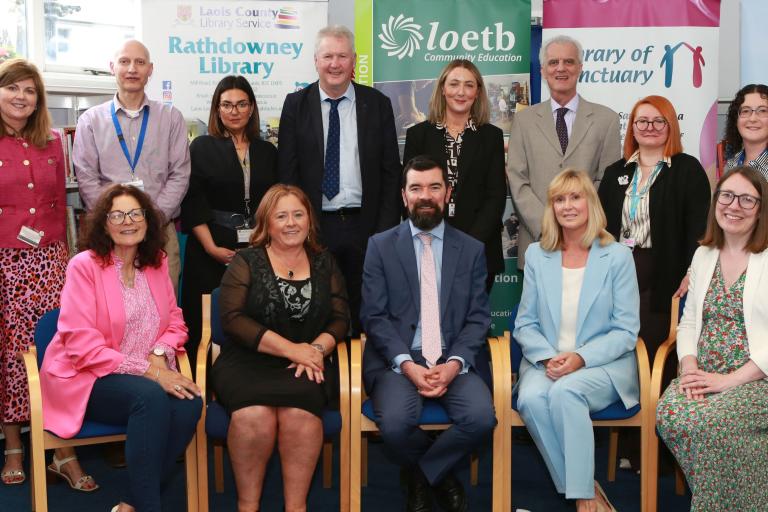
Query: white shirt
[(570, 116), (350, 182), (572, 281)]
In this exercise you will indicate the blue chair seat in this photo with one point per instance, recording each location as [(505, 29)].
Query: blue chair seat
[(96, 429), (432, 413), (217, 421), (615, 411)]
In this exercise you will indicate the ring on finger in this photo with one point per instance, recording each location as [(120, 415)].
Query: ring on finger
[(177, 387)]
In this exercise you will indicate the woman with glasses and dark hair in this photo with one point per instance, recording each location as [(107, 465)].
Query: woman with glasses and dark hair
[(714, 416), (232, 168), (746, 129), (113, 359)]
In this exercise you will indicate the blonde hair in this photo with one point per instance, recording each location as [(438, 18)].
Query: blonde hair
[(480, 112), (267, 206), (568, 181), (38, 127)]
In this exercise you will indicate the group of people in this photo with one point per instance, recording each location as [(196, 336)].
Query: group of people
[(307, 245)]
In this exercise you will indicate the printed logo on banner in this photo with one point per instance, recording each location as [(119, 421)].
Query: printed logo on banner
[(183, 15), (167, 95), (288, 17), (668, 63), (396, 46), (166, 85)]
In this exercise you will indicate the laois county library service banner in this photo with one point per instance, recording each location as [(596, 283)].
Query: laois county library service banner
[(403, 45), (194, 44), (640, 47)]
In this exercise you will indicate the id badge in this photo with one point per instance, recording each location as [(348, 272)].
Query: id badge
[(139, 184), (244, 235), (629, 242), (29, 236)]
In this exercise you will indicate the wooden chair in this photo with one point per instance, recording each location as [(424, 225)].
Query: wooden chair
[(215, 420), (614, 416), (667, 348), (433, 417), (90, 433)]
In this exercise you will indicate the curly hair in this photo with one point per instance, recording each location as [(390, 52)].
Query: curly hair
[(95, 237), (733, 138)]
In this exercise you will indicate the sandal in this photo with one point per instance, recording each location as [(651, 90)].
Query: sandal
[(13, 476), (55, 469), (603, 501)]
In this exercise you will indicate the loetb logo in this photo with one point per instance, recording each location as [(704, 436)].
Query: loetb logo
[(400, 36)]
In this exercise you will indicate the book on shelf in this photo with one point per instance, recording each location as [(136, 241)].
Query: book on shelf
[(67, 135)]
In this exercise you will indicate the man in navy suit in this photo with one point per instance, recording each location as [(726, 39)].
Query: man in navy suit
[(425, 311), (337, 142)]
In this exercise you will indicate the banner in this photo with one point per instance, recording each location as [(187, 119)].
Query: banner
[(402, 46), (635, 49), (194, 44), (754, 40)]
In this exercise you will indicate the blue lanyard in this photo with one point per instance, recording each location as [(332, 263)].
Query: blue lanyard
[(139, 144), (635, 197), (743, 156)]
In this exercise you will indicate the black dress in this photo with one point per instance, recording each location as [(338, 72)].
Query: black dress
[(253, 300), (216, 184)]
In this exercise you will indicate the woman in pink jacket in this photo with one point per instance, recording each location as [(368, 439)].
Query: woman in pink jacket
[(113, 357)]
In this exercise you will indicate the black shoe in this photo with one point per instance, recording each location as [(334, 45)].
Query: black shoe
[(449, 494), (417, 490)]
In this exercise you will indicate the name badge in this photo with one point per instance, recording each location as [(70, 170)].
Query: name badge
[(244, 235), (29, 236), (629, 242), (139, 184)]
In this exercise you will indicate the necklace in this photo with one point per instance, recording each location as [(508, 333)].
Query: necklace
[(288, 268)]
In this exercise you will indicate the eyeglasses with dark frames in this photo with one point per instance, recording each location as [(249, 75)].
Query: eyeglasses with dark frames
[(746, 201), (658, 124), (117, 217), (228, 107)]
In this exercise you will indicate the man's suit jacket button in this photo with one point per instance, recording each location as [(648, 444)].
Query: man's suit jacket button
[(413, 327)]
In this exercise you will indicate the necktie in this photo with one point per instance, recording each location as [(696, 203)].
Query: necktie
[(561, 128), (430, 311), (331, 174)]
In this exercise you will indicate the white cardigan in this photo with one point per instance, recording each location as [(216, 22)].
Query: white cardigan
[(755, 305)]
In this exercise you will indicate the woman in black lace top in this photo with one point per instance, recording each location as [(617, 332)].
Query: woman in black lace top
[(284, 306)]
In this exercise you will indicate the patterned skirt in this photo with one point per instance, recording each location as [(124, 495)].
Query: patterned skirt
[(30, 285)]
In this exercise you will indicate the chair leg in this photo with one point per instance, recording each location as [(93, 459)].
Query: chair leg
[(679, 480), (364, 460), (37, 472), (473, 465), (327, 464), (613, 451), (202, 470), (190, 462), (218, 465)]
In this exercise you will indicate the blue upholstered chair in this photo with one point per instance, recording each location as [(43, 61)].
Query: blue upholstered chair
[(215, 421), (433, 417), (91, 432), (613, 416)]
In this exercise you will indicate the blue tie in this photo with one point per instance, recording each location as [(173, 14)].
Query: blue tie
[(332, 153)]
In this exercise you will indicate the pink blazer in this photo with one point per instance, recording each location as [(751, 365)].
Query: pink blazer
[(90, 329)]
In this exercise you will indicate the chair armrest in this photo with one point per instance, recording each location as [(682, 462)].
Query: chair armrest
[(29, 358), (343, 364), (507, 380), (356, 391), (499, 373), (204, 347), (662, 353)]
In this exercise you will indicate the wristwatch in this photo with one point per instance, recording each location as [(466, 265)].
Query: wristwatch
[(159, 351)]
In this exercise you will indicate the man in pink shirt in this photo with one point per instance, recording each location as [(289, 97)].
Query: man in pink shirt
[(136, 141)]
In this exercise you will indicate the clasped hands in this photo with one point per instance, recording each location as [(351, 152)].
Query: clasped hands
[(431, 382), (562, 364), (696, 383), (307, 360)]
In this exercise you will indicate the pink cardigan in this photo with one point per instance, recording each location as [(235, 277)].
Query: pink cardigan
[(90, 329)]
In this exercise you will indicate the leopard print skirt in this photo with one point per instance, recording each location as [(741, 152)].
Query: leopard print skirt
[(30, 285)]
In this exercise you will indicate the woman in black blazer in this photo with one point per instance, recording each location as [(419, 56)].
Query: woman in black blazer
[(458, 133), (216, 212)]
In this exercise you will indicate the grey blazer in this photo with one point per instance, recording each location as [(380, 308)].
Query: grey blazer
[(535, 158)]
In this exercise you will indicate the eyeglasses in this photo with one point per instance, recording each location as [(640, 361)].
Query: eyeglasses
[(117, 217), (658, 124), (228, 107), (762, 112), (746, 201)]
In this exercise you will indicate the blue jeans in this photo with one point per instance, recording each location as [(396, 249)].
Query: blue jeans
[(159, 428)]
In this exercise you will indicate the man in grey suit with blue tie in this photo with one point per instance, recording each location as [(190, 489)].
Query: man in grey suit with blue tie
[(426, 314), (564, 131)]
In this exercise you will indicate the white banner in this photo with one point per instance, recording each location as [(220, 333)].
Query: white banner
[(194, 44)]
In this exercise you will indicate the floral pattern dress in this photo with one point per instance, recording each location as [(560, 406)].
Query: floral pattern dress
[(721, 442)]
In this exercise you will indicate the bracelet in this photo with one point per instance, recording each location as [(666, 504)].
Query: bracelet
[(318, 347)]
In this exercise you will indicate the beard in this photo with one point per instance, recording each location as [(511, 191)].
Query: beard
[(423, 220)]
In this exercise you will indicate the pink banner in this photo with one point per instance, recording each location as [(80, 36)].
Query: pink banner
[(630, 13)]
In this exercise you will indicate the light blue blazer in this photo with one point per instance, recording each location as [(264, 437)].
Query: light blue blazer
[(608, 317)]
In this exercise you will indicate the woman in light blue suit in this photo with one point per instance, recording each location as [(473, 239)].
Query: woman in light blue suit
[(577, 326)]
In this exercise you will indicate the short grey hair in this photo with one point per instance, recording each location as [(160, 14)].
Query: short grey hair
[(339, 31), (561, 39)]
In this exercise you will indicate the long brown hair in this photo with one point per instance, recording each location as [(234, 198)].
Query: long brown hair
[(758, 242), (215, 127), (38, 127), (260, 236), (480, 112), (94, 235), (674, 144)]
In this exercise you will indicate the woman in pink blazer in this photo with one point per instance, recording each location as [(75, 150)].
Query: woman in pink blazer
[(113, 357)]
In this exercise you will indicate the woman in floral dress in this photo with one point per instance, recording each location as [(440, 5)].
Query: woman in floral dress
[(714, 417)]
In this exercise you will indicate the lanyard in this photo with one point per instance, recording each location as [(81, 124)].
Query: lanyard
[(245, 163), (635, 196), (139, 144), (743, 156)]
